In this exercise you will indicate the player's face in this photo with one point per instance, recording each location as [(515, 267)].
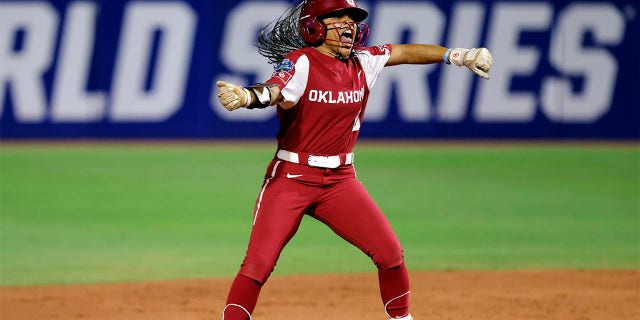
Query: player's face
[(341, 33)]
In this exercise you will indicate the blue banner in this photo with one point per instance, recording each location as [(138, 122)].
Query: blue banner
[(147, 69)]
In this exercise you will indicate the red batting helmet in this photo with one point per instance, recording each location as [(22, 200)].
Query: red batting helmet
[(311, 28)]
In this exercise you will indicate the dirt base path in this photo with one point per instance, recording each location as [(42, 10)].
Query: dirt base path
[(561, 295)]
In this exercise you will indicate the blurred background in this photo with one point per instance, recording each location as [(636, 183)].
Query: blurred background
[(147, 69), (539, 167)]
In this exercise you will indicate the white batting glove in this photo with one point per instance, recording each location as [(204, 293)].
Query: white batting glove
[(477, 60), (233, 97)]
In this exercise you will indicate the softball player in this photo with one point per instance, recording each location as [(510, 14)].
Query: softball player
[(320, 86)]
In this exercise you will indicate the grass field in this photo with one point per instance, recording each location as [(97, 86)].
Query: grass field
[(109, 212)]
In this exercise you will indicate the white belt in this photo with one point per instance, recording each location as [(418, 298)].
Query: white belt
[(330, 162)]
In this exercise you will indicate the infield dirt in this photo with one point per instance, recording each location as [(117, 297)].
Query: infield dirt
[(561, 295)]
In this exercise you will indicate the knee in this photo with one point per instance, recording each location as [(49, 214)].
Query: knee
[(389, 260), (258, 269)]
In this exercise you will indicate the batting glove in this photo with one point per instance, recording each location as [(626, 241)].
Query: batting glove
[(233, 97), (477, 60)]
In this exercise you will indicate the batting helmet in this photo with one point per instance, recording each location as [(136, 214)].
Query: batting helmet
[(312, 29)]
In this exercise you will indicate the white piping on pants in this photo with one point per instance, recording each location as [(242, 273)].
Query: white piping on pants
[(392, 300), (235, 305), (273, 174)]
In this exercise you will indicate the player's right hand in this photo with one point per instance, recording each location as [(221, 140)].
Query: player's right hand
[(233, 97)]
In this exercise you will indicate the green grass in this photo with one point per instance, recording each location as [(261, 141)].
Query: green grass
[(96, 213)]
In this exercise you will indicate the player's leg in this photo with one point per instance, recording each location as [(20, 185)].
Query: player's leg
[(350, 212), (242, 298), (268, 237), (277, 216), (394, 291)]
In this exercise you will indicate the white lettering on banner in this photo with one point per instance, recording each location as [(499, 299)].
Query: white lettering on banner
[(559, 101), (577, 85), (466, 28), (175, 22), (426, 22), (239, 54), (496, 102), (21, 71), (70, 100)]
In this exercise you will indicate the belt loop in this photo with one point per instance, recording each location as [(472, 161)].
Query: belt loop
[(348, 158), (304, 158)]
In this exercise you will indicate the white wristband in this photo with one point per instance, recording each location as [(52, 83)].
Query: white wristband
[(445, 57), (247, 96)]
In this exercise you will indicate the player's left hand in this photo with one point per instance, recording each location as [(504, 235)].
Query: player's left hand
[(477, 60)]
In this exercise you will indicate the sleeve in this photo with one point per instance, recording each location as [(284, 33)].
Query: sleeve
[(373, 60), (291, 78)]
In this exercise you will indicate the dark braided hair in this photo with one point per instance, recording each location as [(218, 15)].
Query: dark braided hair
[(281, 36)]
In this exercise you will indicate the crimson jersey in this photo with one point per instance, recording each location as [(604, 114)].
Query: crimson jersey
[(330, 96)]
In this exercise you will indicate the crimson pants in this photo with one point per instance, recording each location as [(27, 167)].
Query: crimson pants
[(333, 196)]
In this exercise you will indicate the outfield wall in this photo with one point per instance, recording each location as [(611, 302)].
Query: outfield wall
[(138, 69)]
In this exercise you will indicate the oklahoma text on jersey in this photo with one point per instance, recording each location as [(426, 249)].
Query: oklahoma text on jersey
[(343, 96)]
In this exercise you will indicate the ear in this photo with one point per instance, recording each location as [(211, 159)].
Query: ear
[(313, 31)]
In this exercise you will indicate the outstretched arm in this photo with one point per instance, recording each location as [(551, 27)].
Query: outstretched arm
[(477, 60), (259, 96), (415, 54)]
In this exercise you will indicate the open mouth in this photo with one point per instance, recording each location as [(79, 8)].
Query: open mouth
[(347, 37)]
